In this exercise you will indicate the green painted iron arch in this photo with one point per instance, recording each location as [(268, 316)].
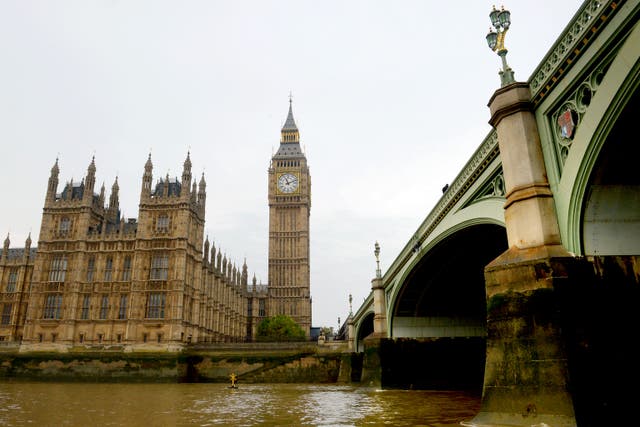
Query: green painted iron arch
[(448, 267), (362, 329), (618, 92)]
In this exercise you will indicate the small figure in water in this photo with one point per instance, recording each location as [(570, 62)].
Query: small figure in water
[(233, 378)]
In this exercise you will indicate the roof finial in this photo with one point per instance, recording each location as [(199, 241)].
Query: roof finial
[(290, 124), (55, 169)]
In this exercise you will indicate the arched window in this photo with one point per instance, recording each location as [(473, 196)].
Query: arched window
[(65, 225), (155, 305), (13, 280), (162, 223), (108, 270), (52, 306), (91, 265), (58, 269), (126, 269), (160, 267)]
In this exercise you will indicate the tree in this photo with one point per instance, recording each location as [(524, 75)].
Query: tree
[(279, 328)]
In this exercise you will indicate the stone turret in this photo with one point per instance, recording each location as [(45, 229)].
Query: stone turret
[(224, 265), (7, 242), (90, 181), (194, 193), (186, 173), (202, 195), (245, 274), (206, 251), (114, 202), (52, 186), (27, 247), (101, 197), (234, 275), (213, 255), (147, 178)]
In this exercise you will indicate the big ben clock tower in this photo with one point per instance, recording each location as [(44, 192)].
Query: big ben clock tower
[(289, 208)]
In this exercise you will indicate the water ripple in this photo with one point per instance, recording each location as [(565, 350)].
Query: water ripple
[(81, 404)]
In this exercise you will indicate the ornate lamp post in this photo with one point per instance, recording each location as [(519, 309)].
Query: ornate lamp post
[(379, 302), (377, 254), (501, 20)]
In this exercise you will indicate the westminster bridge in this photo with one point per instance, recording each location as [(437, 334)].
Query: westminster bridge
[(523, 281)]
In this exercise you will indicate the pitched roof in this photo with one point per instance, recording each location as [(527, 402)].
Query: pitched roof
[(290, 124)]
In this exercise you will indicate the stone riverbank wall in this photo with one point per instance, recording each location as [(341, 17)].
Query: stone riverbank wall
[(252, 363)]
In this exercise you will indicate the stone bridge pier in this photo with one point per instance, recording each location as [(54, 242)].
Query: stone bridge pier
[(523, 281), (526, 371), (559, 327)]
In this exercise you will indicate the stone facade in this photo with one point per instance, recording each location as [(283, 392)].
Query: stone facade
[(289, 210), (16, 270), (152, 282)]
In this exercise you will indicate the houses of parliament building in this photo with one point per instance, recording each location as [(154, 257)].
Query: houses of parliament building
[(153, 282)]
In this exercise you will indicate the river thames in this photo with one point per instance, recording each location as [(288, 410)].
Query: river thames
[(117, 404)]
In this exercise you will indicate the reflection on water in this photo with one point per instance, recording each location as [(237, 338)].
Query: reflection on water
[(81, 404)]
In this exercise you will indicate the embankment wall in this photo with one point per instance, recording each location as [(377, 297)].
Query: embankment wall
[(251, 363)]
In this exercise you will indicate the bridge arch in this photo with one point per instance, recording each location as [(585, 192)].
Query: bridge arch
[(442, 293), (364, 328), (436, 313), (600, 176)]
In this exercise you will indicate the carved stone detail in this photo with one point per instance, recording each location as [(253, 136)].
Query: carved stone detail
[(565, 51), (575, 105)]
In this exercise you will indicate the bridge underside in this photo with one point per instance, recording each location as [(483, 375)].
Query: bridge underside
[(601, 320), (439, 319), (366, 329), (444, 296), (611, 219)]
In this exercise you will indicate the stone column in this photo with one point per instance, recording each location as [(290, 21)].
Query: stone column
[(373, 360), (379, 309), (526, 373), (351, 332)]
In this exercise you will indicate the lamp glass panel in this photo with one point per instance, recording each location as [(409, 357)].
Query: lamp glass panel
[(492, 39), (494, 18), (505, 18)]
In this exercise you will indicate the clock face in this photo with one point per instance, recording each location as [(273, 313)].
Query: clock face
[(287, 183)]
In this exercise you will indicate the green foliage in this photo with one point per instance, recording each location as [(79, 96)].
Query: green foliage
[(279, 328)]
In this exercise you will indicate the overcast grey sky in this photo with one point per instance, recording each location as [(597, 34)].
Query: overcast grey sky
[(389, 97)]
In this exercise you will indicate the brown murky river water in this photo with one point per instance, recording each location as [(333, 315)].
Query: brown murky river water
[(150, 405)]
